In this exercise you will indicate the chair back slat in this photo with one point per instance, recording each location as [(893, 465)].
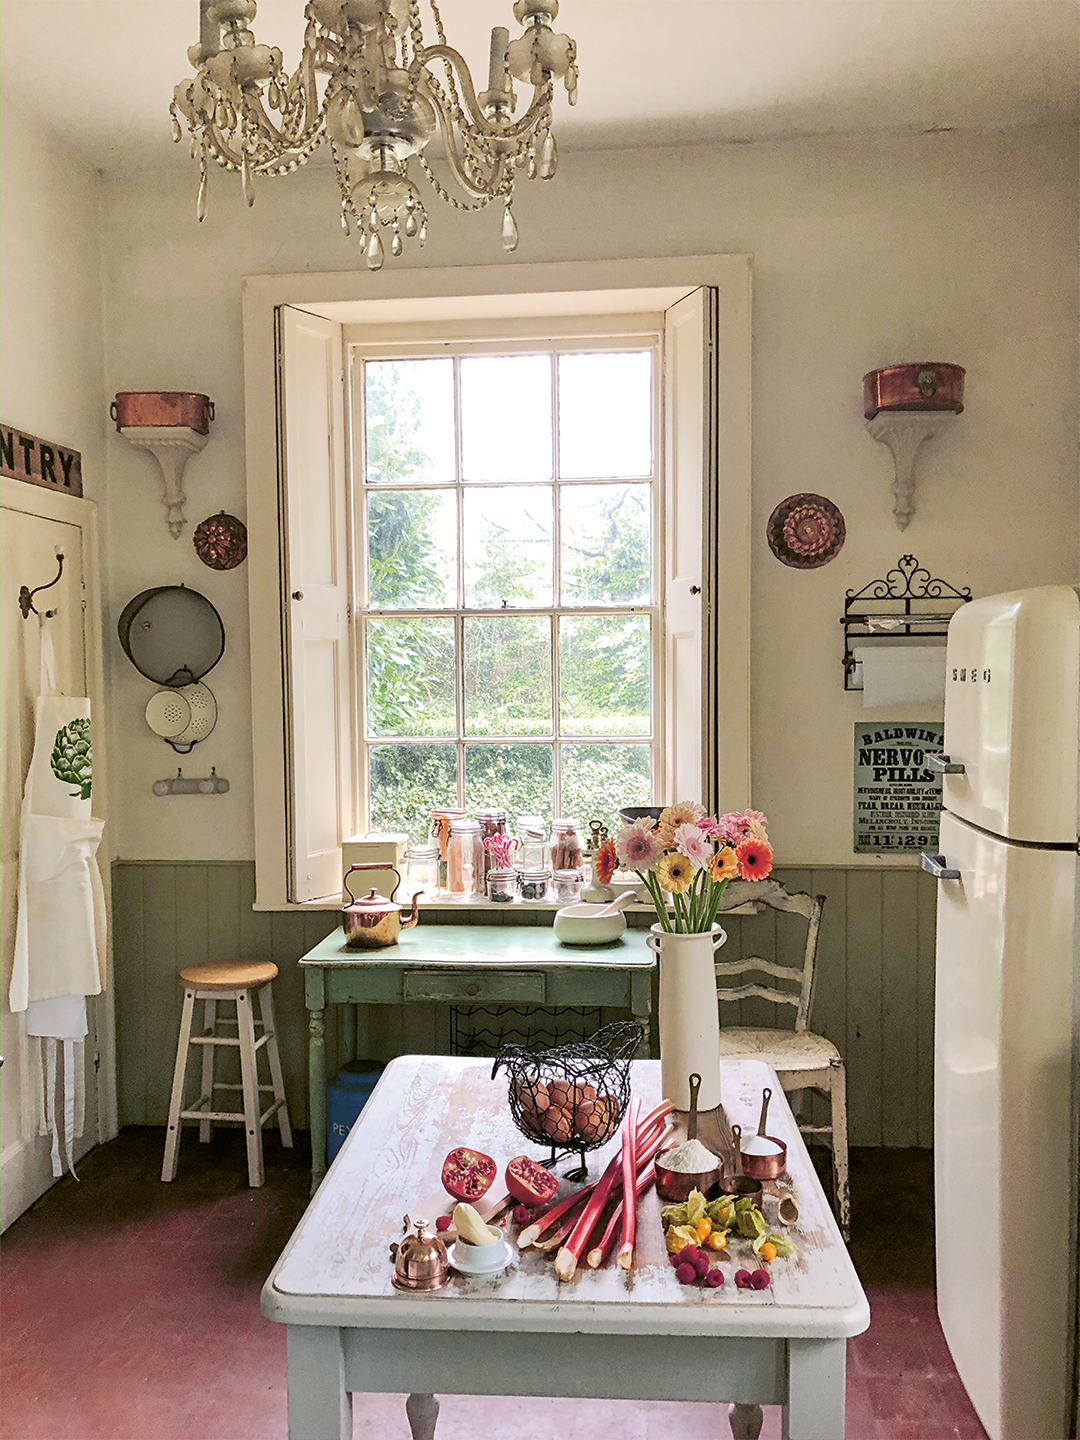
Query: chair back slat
[(798, 903), (764, 992)]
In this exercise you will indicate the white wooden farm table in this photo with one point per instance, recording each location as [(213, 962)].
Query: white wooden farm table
[(604, 1335)]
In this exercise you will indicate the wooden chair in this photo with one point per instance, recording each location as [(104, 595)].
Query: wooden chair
[(238, 982), (801, 1059)]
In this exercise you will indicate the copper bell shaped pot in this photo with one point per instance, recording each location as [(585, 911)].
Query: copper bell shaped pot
[(373, 922), (420, 1261)]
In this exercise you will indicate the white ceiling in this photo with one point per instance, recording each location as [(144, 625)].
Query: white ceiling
[(653, 72)]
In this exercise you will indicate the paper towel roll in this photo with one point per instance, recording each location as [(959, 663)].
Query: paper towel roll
[(901, 674)]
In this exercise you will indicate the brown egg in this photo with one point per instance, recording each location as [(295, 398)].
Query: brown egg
[(558, 1121)]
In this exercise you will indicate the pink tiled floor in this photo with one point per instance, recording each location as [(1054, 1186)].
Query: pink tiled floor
[(130, 1312)]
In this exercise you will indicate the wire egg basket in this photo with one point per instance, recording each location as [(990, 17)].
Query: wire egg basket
[(571, 1098)]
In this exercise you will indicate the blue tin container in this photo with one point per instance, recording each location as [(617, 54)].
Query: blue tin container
[(346, 1096)]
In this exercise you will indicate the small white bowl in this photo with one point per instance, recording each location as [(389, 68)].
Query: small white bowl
[(582, 924), (480, 1259)]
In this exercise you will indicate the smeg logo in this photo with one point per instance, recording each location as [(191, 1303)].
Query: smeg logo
[(970, 676)]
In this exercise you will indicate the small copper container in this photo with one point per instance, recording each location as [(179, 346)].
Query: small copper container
[(925, 385), (162, 407), (420, 1263)]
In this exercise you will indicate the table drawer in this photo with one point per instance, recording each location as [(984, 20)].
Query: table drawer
[(475, 987)]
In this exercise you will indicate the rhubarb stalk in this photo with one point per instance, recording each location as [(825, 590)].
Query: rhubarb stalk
[(629, 1175), (545, 1221), (567, 1259), (599, 1253)]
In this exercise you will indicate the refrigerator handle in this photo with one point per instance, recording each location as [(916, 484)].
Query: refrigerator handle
[(944, 764), (935, 865)]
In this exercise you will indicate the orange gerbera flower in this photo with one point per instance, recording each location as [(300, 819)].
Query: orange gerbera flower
[(606, 862), (723, 865), (683, 812), (754, 859)]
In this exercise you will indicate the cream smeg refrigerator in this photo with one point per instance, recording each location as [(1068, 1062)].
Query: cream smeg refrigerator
[(1005, 1091)]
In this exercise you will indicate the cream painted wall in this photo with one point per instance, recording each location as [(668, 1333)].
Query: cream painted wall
[(50, 280), (959, 247)]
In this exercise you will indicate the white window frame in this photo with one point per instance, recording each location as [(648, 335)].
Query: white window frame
[(481, 295), (552, 337)]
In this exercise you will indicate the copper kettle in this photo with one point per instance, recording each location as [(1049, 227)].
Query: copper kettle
[(373, 921)]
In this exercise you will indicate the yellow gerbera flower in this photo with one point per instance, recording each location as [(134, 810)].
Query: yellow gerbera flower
[(683, 812), (724, 865), (675, 873)]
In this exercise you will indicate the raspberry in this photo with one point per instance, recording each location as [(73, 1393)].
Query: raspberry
[(686, 1274), (443, 1222), (760, 1279), (701, 1263), (522, 1214), (687, 1255), (714, 1278), (742, 1279)]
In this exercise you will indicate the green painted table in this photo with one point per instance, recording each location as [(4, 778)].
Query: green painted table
[(465, 965)]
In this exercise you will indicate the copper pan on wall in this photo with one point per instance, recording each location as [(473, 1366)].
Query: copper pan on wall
[(927, 385), (139, 408)]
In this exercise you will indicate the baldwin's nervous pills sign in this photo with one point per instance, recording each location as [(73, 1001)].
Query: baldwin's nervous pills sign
[(897, 795)]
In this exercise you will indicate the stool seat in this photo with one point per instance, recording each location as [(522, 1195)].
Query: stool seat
[(229, 974)]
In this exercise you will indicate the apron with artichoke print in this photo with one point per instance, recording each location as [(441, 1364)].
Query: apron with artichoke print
[(60, 931)]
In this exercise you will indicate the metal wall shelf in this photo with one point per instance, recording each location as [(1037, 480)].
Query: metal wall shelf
[(908, 603)]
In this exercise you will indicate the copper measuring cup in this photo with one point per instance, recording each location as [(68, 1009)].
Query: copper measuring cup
[(761, 1167)]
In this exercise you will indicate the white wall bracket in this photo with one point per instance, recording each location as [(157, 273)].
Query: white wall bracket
[(172, 446), (904, 431)]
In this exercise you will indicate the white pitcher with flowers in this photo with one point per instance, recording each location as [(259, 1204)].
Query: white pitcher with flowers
[(686, 859)]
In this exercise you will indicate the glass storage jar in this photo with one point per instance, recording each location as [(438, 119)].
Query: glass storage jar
[(424, 869), (465, 860), (441, 820), (566, 886), (566, 847), (501, 886), (531, 833), (491, 822), (534, 884)]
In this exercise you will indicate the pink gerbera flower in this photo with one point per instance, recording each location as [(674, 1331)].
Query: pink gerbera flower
[(754, 858), (689, 841), (638, 846), (710, 826)]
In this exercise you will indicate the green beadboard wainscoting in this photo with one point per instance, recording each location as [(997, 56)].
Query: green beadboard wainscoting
[(874, 993)]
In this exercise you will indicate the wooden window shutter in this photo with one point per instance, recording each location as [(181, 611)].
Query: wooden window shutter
[(690, 403), (315, 596)]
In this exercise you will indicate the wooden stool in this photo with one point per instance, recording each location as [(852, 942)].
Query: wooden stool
[(238, 981)]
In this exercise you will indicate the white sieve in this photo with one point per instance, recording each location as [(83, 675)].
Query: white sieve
[(168, 713), (202, 708)]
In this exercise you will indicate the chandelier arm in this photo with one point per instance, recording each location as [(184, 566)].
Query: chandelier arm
[(515, 130), (491, 187)]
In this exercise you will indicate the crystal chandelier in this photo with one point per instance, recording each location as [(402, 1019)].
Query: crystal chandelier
[(378, 107)]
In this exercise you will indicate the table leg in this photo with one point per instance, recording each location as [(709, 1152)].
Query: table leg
[(423, 1412), (320, 1407), (640, 993), (317, 1094), (815, 1390), (348, 1032), (745, 1421)]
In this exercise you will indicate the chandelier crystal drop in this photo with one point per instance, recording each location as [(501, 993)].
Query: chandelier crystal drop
[(370, 87)]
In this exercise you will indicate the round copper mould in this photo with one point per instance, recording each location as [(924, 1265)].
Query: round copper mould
[(805, 531), (221, 541)]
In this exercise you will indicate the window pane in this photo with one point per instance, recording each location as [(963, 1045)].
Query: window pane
[(506, 417), (410, 677), (604, 669), (605, 414), (598, 779), (515, 776), (508, 675), (606, 544), (508, 548), (412, 548), (409, 781), (409, 423)]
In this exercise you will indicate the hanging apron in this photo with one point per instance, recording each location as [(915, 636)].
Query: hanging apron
[(60, 930)]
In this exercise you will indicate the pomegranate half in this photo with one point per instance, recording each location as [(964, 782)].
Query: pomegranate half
[(467, 1174), (529, 1182)]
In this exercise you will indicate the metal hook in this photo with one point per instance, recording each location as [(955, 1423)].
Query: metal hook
[(26, 595)]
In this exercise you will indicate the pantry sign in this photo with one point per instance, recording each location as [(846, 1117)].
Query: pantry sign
[(897, 795)]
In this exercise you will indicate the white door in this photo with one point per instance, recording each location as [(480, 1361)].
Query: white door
[(1002, 1057), (28, 551)]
